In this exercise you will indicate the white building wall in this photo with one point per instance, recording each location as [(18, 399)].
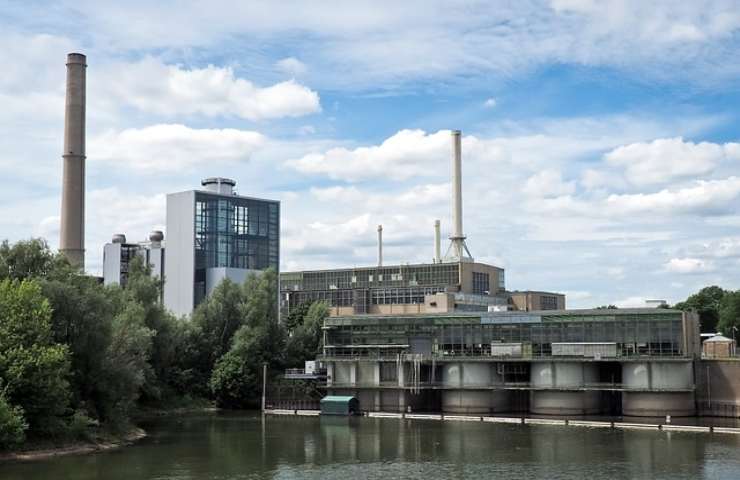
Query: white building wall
[(179, 267), (112, 264)]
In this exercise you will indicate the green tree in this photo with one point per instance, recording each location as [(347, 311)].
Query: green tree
[(607, 307), (729, 313), (261, 295), (214, 323), (12, 425), (304, 342), (706, 303), (33, 368), (125, 364), (236, 378), (31, 259), (295, 316), (168, 332)]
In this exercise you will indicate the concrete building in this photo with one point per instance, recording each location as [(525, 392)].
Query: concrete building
[(632, 362), (213, 234), (387, 289), (118, 254), (531, 300), (718, 346)]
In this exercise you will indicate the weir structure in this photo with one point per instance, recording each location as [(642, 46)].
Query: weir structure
[(631, 362), (72, 223)]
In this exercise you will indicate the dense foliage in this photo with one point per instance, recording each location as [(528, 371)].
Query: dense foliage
[(77, 356), (718, 309)]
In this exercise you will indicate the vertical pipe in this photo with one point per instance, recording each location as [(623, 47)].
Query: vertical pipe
[(457, 186), (380, 245), (72, 227), (437, 250), (264, 386)]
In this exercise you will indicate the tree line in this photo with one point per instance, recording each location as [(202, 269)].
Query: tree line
[(78, 359), (718, 309)]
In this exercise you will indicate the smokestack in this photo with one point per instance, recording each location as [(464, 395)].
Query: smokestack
[(458, 249), (437, 251), (380, 245), (72, 228), (457, 186)]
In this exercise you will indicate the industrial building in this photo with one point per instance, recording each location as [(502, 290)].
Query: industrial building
[(451, 283), (118, 254), (632, 362), (213, 234)]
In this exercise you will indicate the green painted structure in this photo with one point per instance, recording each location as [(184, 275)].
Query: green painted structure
[(339, 405)]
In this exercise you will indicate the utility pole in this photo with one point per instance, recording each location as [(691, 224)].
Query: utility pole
[(264, 385)]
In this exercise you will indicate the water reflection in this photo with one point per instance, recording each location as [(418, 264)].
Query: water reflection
[(248, 446)]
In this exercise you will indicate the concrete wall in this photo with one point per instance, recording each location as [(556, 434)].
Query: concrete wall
[(179, 268), (466, 277), (112, 264), (528, 301), (215, 275), (718, 388)]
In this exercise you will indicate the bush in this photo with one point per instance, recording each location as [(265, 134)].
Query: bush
[(12, 425)]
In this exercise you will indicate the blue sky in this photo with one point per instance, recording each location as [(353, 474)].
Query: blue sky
[(600, 153)]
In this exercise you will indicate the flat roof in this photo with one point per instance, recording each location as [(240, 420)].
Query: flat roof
[(377, 267), (514, 313), (216, 194)]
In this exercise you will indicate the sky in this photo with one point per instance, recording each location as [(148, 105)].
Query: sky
[(601, 153)]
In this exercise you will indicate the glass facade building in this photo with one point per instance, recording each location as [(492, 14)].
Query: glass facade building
[(213, 234), (236, 233)]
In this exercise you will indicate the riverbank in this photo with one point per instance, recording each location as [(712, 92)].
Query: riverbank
[(44, 451), (41, 450)]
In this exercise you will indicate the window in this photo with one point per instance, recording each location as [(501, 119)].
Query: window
[(480, 283), (548, 302)]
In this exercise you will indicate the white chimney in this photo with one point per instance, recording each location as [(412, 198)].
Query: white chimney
[(380, 245), (437, 250), (458, 251)]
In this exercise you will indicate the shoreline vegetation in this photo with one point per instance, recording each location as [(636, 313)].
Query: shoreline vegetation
[(43, 450), (80, 361)]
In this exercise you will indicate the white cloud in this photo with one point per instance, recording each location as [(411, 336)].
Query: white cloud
[(667, 158), (291, 66), (490, 103), (636, 301), (351, 41), (172, 147), (406, 154), (169, 90), (706, 197), (548, 183), (688, 265)]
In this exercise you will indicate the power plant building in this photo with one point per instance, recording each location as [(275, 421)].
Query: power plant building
[(632, 362), (213, 234), (118, 255)]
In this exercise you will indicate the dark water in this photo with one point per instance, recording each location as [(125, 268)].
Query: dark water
[(243, 446)]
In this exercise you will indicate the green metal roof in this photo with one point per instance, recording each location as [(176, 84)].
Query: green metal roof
[(337, 398)]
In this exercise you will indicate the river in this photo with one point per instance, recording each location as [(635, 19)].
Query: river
[(244, 446)]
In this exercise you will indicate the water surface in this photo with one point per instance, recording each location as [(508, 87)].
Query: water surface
[(246, 446)]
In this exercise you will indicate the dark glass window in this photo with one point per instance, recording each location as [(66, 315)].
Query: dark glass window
[(235, 232)]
